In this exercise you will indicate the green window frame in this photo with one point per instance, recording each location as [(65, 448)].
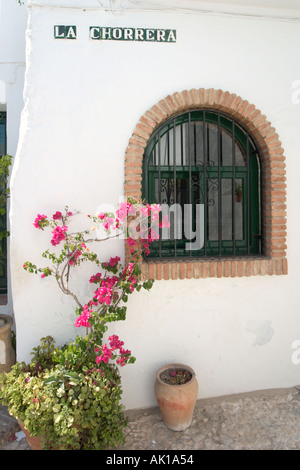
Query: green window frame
[(3, 222), (205, 167)]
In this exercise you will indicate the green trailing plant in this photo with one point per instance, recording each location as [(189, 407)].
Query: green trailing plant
[(5, 164), (67, 408), (70, 396)]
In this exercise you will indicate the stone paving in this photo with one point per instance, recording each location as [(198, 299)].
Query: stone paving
[(265, 420)]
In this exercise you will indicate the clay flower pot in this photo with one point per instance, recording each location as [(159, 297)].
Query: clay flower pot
[(176, 390), (34, 442), (7, 353)]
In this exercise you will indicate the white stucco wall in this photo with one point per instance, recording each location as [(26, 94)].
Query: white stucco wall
[(83, 99)]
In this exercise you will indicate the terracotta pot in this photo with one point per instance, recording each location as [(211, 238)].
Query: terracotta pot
[(176, 402), (33, 441), (7, 353)]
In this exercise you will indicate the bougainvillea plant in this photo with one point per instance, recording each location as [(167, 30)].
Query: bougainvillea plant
[(139, 224), (70, 396)]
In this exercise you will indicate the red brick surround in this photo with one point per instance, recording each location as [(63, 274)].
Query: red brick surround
[(274, 259)]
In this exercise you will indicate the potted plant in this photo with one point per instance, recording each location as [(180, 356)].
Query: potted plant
[(69, 395), (176, 390), (64, 406)]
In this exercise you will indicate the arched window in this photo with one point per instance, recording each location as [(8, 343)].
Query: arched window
[(217, 154), (203, 167)]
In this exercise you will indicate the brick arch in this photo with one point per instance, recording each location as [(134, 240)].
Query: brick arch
[(267, 140)]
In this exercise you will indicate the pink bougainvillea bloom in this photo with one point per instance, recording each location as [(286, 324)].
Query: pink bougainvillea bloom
[(155, 210), (165, 222), (38, 223), (125, 209), (105, 356), (144, 211), (58, 235), (131, 210), (83, 319), (115, 342), (112, 262), (128, 269), (131, 243), (74, 257), (43, 275), (96, 278), (121, 361), (109, 222)]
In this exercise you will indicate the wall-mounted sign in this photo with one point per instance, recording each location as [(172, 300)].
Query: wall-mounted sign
[(132, 34), (105, 33), (65, 32)]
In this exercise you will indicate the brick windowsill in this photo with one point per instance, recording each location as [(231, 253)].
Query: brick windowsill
[(226, 267)]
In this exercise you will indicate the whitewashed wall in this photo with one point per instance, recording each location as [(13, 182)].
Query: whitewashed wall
[(83, 99), (13, 19)]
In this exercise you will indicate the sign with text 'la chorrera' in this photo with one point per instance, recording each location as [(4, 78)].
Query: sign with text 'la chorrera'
[(106, 33)]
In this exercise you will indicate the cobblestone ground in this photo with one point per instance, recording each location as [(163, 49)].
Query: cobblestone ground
[(268, 420)]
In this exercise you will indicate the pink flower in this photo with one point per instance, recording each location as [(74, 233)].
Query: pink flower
[(114, 342), (40, 221), (144, 211), (131, 210), (112, 262), (128, 270), (122, 361), (109, 222), (165, 222), (104, 293), (123, 211), (58, 235), (132, 244), (74, 256), (57, 215), (96, 278), (155, 209), (43, 275), (83, 319), (105, 356)]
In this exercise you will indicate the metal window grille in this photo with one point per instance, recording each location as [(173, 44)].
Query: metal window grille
[(203, 167)]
